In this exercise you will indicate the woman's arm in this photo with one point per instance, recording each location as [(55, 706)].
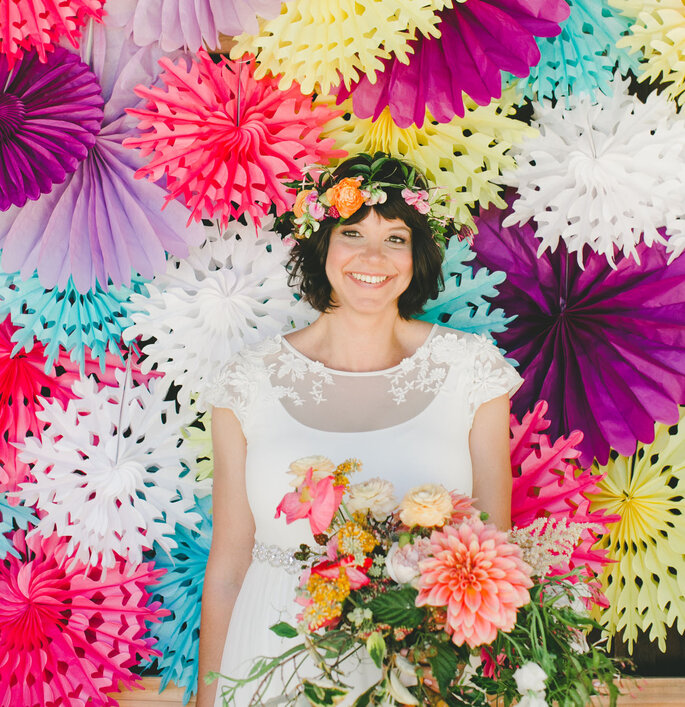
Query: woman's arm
[(491, 460), (231, 551)]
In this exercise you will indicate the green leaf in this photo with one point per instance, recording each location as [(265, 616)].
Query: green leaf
[(284, 630), (444, 665), (397, 608), (375, 645), (365, 698), (323, 695)]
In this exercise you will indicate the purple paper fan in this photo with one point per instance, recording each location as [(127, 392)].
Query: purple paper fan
[(605, 347), (479, 39), (50, 113)]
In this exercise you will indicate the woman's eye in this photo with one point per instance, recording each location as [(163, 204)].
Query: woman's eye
[(350, 234), (398, 239)]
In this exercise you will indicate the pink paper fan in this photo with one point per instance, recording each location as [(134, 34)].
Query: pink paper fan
[(548, 483), (224, 141), (41, 23), (479, 40), (69, 634)]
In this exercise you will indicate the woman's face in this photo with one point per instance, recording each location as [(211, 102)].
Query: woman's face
[(369, 263)]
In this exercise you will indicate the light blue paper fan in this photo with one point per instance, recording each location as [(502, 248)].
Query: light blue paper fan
[(11, 518)]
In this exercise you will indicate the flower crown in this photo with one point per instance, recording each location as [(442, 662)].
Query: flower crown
[(323, 197)]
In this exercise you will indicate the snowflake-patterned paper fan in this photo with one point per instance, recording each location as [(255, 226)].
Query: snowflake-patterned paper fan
[(463, 157), (658, 32), (583, 57), (645, 583), (462, 304), (548, 483), (180, 592), (604, 174), (41, 23), (224, 141), (68, 637), (66, 319), (319, 43), (110, 471), (198, 436), (12, 517), (193, 24), (230, 292)]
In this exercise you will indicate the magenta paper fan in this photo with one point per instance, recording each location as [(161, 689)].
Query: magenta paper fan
[(549, 484), (25, 24), (50, 113), (479, 40), (605, 347), (225, 141), (69, 634)]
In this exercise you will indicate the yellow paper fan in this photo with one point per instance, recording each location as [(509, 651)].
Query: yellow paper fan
[(645, 586), (323, 41), (464, 157), (659, 33), (199, 438)]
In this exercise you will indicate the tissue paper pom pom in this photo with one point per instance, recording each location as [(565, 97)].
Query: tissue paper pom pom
[(67, 636), (101, 223), (604, 347), (583, 57), (606, 175), (224, 141), (659, 33), (193, 24), (463, 157), (41, 23), (462, 304), (318, 43), (548, 484), (12, 517), (646, 582), (478, 40), (230, 292), (180, 592), (49, 116), (110, 471), (67, 319)]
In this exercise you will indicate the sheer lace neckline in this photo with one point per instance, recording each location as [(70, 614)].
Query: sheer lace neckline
[(384, 371)]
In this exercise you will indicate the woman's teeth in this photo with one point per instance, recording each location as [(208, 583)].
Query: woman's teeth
[(372, 279)]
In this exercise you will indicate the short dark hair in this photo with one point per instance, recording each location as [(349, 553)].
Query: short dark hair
[(307, 263)]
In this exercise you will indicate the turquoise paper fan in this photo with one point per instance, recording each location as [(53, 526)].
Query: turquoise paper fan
[(67, 318), (462, 304), (11, 518), (583, 57)]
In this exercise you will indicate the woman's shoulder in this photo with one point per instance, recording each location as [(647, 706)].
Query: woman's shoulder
[(447, 345)]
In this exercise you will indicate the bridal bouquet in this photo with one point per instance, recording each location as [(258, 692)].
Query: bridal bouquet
[(444, 604)]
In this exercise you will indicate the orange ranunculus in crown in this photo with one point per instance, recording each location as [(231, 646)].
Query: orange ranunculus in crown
[(346, 196)]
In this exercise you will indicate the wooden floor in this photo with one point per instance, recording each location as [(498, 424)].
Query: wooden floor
[(655, 692)]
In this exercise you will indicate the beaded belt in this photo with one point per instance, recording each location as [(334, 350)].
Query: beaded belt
[(277, 557)]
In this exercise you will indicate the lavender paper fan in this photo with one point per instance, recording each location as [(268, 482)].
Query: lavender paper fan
[(604, 346), (479, 40), (50, 112)]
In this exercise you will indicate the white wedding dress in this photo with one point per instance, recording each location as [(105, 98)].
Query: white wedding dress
[(408, 424)]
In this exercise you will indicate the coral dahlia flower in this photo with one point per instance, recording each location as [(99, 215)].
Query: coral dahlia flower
[(479, 577)]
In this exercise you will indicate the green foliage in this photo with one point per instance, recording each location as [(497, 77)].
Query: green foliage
[(444, 665), (398, 608), (322, 695), (284, 630), (375, 645)]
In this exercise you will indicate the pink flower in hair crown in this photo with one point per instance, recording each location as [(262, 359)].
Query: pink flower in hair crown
[(417, 199)]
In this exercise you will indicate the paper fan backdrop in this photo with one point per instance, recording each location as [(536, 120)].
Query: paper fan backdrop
[(645, 583), (12, 517), (583, 57), (50, 113), (604, 174), (180, 592), (478, 40), (110, 471), (101, 223), (225, 141), (68, 636), (198, 436), (230, 292), (463, 157), (604, 346), (41, 23), (549, 484), (77, 323), (319, 43), (462, 304)]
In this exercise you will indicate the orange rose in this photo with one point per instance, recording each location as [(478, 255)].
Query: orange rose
[(299, 201), (345, 196)]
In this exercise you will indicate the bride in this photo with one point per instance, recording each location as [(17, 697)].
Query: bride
[(415, 402)]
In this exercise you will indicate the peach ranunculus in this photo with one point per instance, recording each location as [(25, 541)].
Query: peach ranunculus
[(375, 496), (321, 466), (346, 196), (479, 576), (298, 208), (428, 506)]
